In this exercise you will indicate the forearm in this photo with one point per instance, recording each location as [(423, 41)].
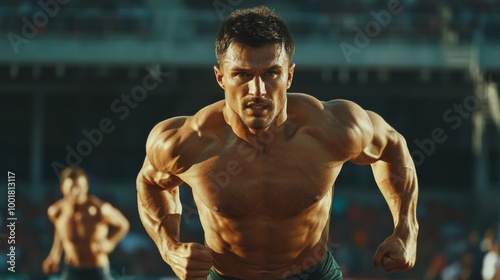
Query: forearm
[(401, 193), (160, 213), (396, 177), (51, 263), (56, 250), (119, 233)]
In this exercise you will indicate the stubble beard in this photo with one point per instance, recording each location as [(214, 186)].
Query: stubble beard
[(255, 123), (260, 121)]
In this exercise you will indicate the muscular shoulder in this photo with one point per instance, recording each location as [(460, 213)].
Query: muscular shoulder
[(352, 123), (182, 135), (54, 210), (94, 201), (346, 112), (163, 141), (333, 112), (103, 208), (304, 102), (341, 124)]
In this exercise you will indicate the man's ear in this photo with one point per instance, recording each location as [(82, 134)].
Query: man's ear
[(218, 76), (291, 68)]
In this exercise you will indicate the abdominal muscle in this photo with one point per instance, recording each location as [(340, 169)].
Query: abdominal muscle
[(259, 246), (81, 255), (78, 244)]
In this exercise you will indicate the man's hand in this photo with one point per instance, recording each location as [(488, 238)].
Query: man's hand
[(190, 260), (396, 255), (51, 265)]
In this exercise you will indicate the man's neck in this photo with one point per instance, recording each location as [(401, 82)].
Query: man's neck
[(258, 138)]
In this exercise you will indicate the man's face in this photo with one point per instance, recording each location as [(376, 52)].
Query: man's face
[(74, 188), (255, 82)]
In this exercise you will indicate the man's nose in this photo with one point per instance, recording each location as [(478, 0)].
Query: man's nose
[(257, 87)]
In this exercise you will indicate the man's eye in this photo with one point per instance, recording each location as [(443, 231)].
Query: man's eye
[(242, 74), (270, 73)]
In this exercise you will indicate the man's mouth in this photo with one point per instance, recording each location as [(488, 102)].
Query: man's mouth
[(257, 106), (256, 109)]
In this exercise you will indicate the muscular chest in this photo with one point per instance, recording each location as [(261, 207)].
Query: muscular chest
[(79, 224), (283, 181)]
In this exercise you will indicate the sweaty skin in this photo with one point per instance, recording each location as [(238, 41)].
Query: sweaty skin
[(81, 228), (262, 164)]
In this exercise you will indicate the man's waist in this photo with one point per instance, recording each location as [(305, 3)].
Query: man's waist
[(268, 265), (86, 259), (307, 268)]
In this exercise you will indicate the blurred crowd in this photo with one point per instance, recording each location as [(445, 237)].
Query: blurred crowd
[(451, 244), (427, 21), (430, 21), (76, 18)]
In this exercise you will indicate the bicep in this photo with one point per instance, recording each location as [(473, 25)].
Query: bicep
[(151, 176), (113, 216), (158, 191), (57, 239), (56, 243), (53, 212), (160, 166), (157, 183), (381, 136)]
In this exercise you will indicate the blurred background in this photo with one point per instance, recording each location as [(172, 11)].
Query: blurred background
[(83, 82)]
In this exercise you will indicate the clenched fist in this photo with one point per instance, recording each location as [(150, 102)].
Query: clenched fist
[(190, 260), (50, 265), (395, 254)]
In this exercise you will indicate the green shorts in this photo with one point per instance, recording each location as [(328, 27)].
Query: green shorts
[(326, 269)]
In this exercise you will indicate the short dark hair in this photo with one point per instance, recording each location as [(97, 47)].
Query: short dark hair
[(253, 27), (72, 172)]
